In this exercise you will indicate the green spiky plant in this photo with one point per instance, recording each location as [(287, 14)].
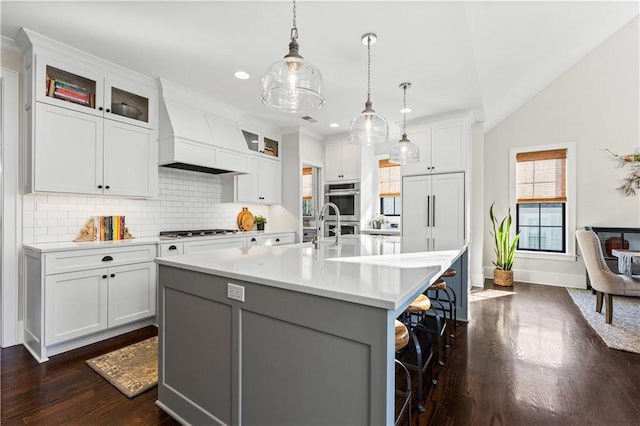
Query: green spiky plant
[(504, 246)]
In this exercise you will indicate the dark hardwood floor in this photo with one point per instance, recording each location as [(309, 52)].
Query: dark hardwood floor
[(526, 358)]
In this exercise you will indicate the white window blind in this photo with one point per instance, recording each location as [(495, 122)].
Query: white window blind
[(389, 179), (307, 183), (541, 176)]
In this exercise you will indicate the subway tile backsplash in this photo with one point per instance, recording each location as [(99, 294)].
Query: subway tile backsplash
[(186, 200)]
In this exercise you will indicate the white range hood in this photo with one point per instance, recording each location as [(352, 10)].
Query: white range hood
[(194, 134)]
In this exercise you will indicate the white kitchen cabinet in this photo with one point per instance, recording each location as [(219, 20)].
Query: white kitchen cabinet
[(271, 239), (201, 246), (433, 208), (90, 123), (76, 304), (77, 297), (81, 153), (262, 185), (259, 143), (443, 148), (341, 162), (170, 249)]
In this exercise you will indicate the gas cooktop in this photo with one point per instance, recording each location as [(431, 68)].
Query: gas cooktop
[(195, 233)]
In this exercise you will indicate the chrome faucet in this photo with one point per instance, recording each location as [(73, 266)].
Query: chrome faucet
[(320, 221)]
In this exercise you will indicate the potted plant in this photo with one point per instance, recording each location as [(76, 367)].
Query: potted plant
[(505, 248), (377, 221), (260, 221)]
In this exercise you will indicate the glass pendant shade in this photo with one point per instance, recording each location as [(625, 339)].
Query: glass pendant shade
[(292, 84), (368, 128), (404, 152)]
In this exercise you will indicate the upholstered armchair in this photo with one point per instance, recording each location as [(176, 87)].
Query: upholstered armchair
[(604, 282)]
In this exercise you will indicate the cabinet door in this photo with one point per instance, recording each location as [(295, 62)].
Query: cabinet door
[(416, 225), (447, 206), (129, 103), (76, 304), (247, 185), (448, 148), (423, 140), (332, 162), (68, 86), (67, 151), (128, 160), (350, 160), (132, 293), (270, 181)]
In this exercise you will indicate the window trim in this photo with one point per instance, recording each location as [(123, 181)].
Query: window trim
[(570, 241)]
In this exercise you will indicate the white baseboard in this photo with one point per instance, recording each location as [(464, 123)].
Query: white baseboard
[(555, 279)]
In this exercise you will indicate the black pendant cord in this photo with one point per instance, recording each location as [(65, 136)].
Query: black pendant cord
[(369, 69), (404, 112)]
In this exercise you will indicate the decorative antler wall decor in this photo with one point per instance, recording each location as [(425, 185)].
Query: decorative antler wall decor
[(632, 180)]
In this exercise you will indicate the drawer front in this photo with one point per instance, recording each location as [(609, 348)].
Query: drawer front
[(172, 249), (204, 246), (276, 239), (79, 260)]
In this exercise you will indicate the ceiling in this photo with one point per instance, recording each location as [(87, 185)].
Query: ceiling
[(489, 57)]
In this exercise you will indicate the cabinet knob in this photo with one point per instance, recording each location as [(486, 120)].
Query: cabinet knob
[(99, 186), (112, 275), (100, 108), (173, 248), (107, 259), (104, 277), (108, 110), (106, 187)]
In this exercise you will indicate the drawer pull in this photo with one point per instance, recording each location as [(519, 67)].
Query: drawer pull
[(173, 248), (107, 259), (277, 240), (112, 275), (104, 277), (253, 240)]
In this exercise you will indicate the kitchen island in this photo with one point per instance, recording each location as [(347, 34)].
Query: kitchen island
[(289, 334)]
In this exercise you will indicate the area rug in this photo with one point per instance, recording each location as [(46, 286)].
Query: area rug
[(132, 369), (624, 332)]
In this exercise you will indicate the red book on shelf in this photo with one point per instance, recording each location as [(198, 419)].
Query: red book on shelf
[(77, 95), (70, 98)]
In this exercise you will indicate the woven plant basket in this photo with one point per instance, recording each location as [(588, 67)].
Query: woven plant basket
[(503, 278)]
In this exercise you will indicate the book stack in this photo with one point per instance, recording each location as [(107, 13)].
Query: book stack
[(111, 228), (69, 92)]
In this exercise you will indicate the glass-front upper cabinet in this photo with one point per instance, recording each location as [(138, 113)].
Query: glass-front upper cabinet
[(261, 144), (84, 90)]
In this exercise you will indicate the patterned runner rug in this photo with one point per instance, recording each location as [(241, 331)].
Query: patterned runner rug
[(132, 369), (624, 332)]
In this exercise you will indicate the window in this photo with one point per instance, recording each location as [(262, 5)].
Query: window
[(541, 198), (389, 188)]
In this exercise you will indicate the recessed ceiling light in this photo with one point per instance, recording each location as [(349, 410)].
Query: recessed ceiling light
[(405, 110), (242, 75), (334, 125)]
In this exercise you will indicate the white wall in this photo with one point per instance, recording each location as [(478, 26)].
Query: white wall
[(595, 104), (186, 200)]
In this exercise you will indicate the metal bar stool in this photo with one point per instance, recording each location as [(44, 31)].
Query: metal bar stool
[(413, 319), (402, 339), (440, 289)]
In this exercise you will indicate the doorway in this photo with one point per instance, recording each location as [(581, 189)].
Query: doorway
[(310, 200)]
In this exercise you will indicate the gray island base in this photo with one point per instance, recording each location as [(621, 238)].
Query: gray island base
[(312, 342)]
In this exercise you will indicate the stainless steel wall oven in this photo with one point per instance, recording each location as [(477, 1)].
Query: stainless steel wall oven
[(345, 195)]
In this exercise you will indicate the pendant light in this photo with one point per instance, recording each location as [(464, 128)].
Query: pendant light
[(368, 128), (292, 84), (404, 152)]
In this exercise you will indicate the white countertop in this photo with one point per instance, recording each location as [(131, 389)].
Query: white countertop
[(84, 245), (369, 270)]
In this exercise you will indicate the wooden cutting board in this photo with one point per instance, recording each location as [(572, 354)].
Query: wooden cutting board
[(245, 219)]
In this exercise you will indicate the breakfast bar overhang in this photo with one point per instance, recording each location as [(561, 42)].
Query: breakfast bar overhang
[(290, 334)]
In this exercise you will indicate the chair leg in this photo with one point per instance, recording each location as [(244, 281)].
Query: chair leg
[(599, 301), (608, 299)]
